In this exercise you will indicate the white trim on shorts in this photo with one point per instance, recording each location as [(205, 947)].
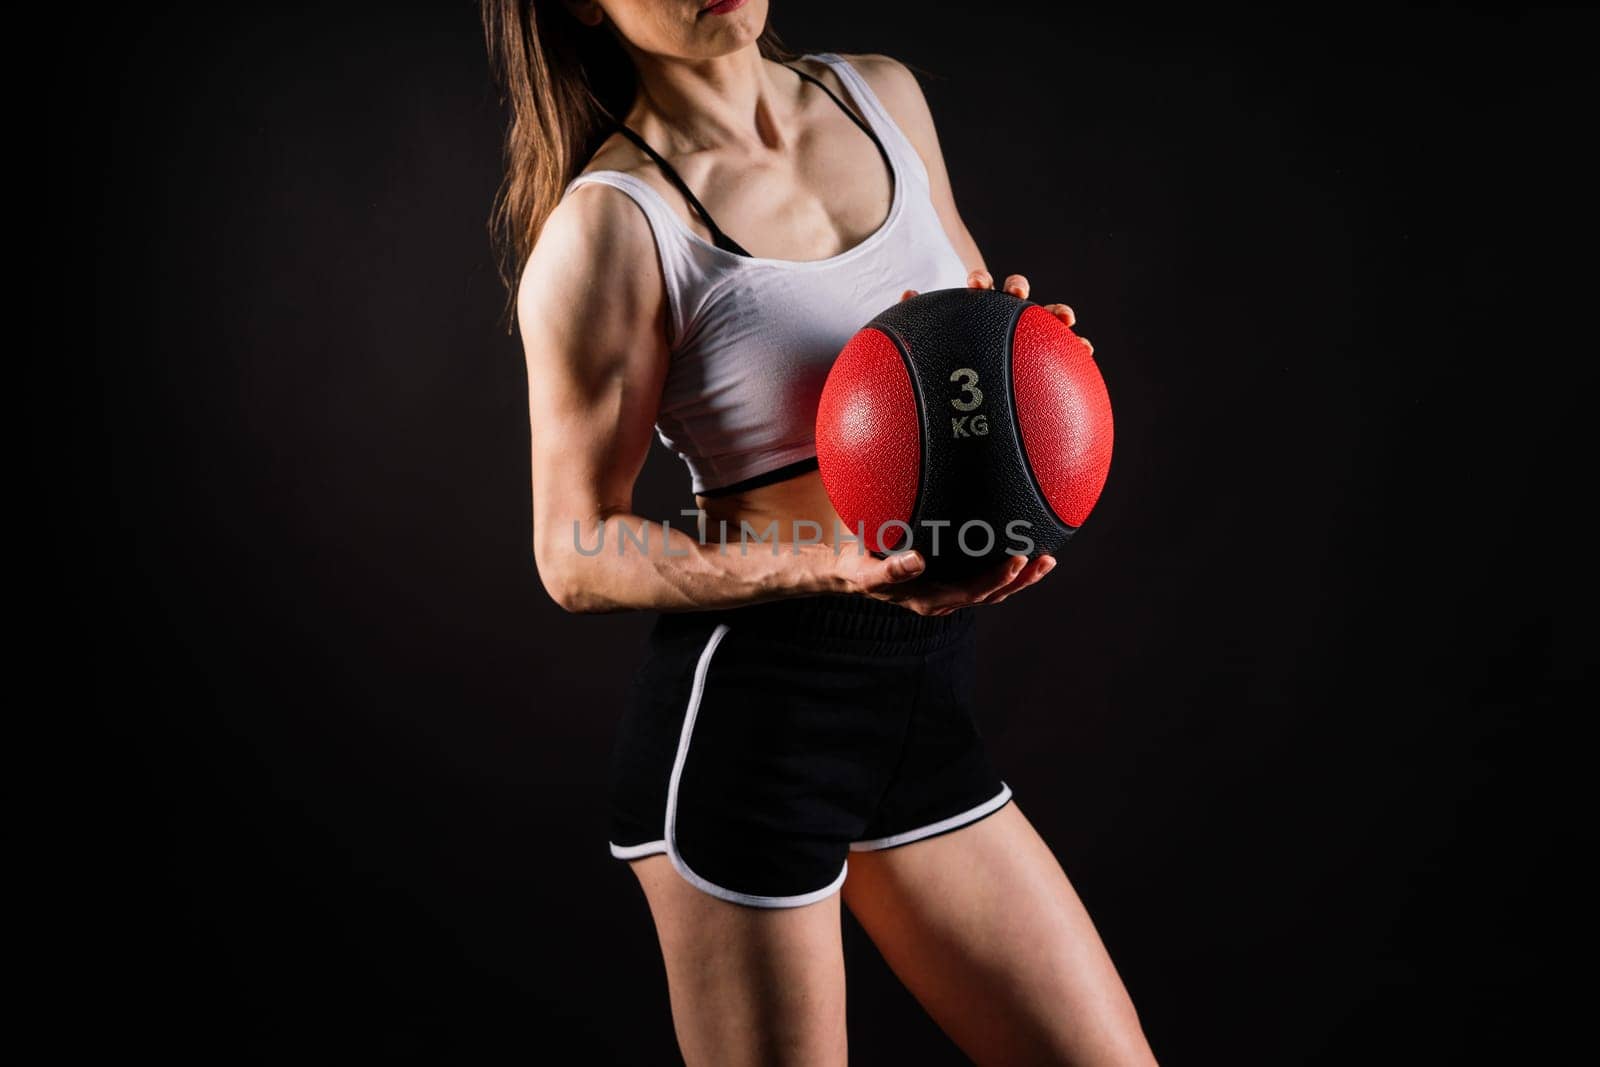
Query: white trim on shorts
[(633, 852), (953, 822), (671, 843)]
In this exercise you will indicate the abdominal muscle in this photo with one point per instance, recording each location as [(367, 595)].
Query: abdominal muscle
[(792, 504)]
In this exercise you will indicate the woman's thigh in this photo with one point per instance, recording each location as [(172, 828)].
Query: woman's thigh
[(748, 985), (987, 933)]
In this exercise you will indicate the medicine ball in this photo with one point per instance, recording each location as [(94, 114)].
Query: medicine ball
[(965, 423)]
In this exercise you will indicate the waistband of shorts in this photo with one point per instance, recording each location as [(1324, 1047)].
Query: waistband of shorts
[(838, 622)]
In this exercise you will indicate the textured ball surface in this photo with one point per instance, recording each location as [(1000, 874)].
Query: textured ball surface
[(968, 424), (867, 425), (1063, 413)]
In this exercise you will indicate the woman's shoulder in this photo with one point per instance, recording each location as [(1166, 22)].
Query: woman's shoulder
[(592, 208), (897, 88), (892, 80), (587, 232), (869, 64), (584, 206), (617, 153)]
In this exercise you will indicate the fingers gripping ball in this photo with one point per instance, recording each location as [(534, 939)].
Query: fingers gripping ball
[(965, 423)]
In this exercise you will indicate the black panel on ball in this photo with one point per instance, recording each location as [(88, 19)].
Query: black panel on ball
[(956, 344)]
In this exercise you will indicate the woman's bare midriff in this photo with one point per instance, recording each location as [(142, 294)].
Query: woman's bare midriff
[(795, 511)]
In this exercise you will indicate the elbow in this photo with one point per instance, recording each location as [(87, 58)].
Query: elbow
[(565, 585), (568, 597), (565, 590), (567, 556)]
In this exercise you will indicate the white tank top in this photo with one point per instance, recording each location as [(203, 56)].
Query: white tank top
[(752, 339)]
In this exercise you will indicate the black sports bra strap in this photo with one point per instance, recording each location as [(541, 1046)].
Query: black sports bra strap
[(720, 239), (857, 119)]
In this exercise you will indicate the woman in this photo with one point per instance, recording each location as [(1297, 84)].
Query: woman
[(698, 219)]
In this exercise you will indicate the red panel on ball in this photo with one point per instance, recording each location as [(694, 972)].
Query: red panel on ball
[(1063, 412), (869, 440)]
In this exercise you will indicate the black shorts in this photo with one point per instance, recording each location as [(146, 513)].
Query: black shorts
[(761, 744)]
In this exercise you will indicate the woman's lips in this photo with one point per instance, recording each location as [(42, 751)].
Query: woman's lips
[(722, 7)]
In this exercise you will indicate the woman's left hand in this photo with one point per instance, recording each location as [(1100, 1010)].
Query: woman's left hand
[(1016, 285)]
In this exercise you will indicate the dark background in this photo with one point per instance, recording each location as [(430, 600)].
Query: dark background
[(1286, 711)]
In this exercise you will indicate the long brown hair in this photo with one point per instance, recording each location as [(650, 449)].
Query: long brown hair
[(563, 83)]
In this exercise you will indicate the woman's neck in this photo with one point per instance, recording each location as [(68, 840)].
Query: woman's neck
[(714, 103)]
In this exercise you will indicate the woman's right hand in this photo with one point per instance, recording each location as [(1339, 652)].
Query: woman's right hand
[(899, 579)]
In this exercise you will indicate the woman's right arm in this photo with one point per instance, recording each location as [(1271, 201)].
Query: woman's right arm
[(591, 307)]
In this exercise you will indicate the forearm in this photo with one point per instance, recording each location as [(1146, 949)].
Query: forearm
[(623, 562)]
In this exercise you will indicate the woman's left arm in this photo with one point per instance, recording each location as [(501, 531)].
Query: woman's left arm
[(897, 87)]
